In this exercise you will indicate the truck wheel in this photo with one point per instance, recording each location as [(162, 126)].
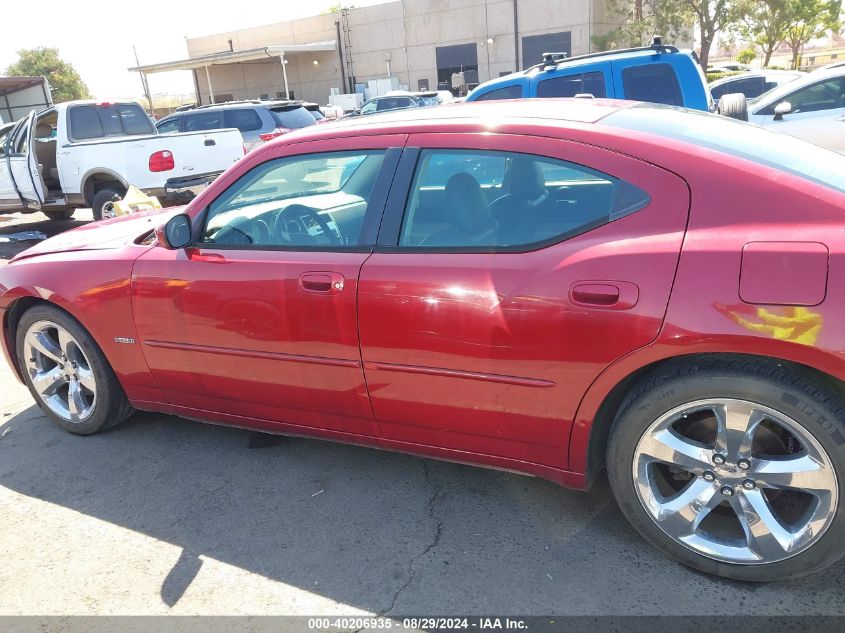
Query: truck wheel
[(65, 214), (101, 198), (733, 105), (734, 466), (67, 373)]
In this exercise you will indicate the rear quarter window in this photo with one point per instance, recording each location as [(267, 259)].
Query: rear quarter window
[(653, 83), (245, 119), (96, 121)]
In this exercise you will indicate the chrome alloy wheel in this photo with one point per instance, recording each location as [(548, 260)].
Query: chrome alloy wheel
[(59, 371), (735, 481)]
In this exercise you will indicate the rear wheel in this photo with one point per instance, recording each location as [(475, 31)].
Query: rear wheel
[(101, 203), (67, 373), (64, 214), (734, 467)]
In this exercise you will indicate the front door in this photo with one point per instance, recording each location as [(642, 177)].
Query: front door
[(21, 166), (511, 275), (258, 317)]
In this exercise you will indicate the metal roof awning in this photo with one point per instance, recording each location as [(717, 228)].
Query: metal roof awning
[(234, 57), (13, 84)]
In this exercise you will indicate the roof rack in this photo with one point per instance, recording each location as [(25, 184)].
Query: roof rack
[(552, 60)]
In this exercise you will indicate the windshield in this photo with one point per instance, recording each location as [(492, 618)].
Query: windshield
[(736, 138)]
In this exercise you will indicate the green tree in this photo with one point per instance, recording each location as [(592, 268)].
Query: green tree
[(810, 19), (642, 18), (764, 23), (65, 82), (746, 56)]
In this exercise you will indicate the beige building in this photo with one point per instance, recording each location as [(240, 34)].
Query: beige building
[(420, 42)]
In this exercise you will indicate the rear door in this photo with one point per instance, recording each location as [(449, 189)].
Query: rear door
[(483, 323), (23, 167)]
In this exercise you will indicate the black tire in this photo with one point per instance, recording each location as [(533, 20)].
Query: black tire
[(804, 397), (734, 106), (110, 406), (104, 195), (64, 214)]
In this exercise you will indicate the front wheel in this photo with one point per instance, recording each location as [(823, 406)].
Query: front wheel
[(67, 373), (733, 467)]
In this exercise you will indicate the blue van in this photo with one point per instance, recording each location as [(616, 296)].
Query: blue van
[(656, 73)]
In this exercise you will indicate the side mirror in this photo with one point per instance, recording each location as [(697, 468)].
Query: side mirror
[(175, 233), (784, 107)]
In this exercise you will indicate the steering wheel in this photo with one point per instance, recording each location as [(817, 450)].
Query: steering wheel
[(298, 211)]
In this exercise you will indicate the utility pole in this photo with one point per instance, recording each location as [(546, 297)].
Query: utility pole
[(144, 83)]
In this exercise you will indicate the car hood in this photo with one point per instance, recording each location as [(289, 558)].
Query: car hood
[(101, 235)]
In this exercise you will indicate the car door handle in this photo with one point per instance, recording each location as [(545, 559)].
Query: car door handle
[(611, 295), (324, 283), (210, 142)]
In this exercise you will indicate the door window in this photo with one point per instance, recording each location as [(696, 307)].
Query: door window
[(825, 95), (470, 200), (571, 85), (170, 126), (312, 202), (202, 121), (508, 92), (244, 119), (653, 83)]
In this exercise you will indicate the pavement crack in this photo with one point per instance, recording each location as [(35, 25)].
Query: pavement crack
[(438, 531)]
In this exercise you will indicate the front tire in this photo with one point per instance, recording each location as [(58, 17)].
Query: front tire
[(733, 466), (67, 373)]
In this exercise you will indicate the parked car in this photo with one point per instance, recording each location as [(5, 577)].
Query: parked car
[(752, 84), (838, 64), (811, 108), (728, 67), (84, 153), (553, 287), (258, 121), (392, 102), (315, 111), (656, 73)]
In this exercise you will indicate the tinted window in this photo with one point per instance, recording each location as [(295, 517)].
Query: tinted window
[(750, 87), (744, 140), (246, 120), (825, 95), (508, 92), (169, 126), (85, 123), (654, 83), (203, 121), (394, 103), (478, 200), (313, 201), (96, 121), (292, 118), (571, 85)]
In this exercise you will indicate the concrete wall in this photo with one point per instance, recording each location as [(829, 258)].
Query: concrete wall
[(406, 32)]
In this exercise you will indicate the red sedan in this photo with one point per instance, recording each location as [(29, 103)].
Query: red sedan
[(550, 287)]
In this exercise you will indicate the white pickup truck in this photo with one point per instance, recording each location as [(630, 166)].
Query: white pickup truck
[(84, 153)]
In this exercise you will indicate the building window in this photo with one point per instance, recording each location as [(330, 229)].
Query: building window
[(533, 46)]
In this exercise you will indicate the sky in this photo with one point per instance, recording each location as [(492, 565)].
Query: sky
[(97, 37)]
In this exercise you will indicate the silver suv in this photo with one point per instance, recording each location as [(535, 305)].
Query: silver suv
[(258, 121)]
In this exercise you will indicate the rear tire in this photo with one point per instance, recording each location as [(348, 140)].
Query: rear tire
[(67, 373), (734, 106), (103, 196), (64, 214), (737, 520)]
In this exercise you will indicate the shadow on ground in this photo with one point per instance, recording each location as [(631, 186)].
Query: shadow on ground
[(35, 222), (375, 530)]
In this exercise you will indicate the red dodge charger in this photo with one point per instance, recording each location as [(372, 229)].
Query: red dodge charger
[(551, 287)]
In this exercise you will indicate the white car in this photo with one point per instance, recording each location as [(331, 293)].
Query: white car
[(84, 153), (753, 84), (811, 108), (728, 67)]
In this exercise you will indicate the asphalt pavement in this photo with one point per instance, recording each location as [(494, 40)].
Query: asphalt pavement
[(162, 515)]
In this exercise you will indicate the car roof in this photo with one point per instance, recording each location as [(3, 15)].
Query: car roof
[(810, 78), (756, 73), (556, 112)]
